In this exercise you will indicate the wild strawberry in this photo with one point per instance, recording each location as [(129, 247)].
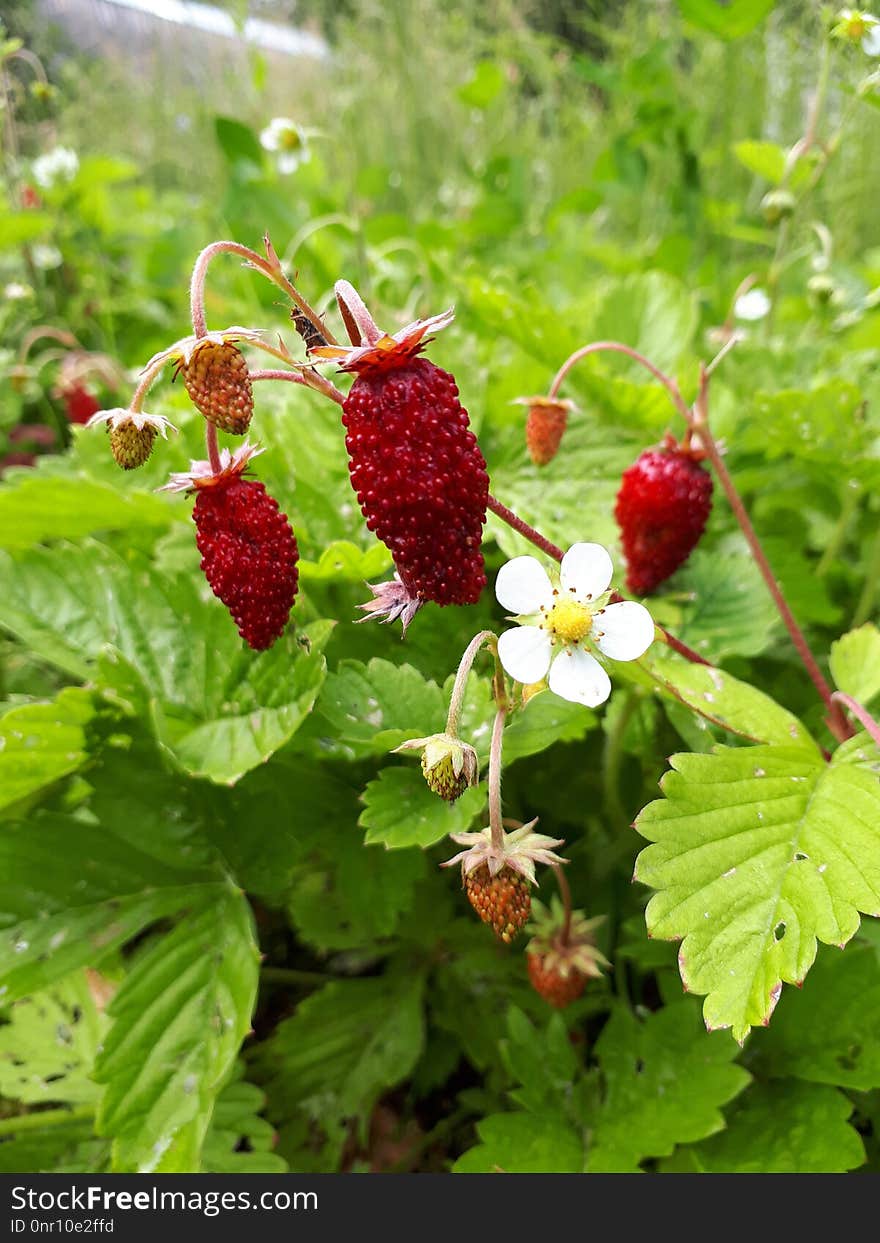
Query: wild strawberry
[(418, 472), (545, 424), (132, 433), (561, 955), (216, 376), (249, 557), (662, 508), (249, 552), (79, 403), (503, 901), (498, 879)]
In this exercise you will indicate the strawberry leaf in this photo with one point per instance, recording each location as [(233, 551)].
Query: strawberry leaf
[(400, 810), (40, 743), (523, 1143), (759, 853), (855, 663)]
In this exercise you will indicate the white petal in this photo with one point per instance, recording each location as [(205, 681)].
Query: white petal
[(586, 570), (522, 586), (578, 676), (623, 631), (525, 653)]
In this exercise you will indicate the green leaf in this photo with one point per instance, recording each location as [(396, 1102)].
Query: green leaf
[(267, 704), (721, 699), (178, 1021), (49, 1043), (781, 1128), (523, 1143), (759, 852), (372, 708), (855, 663), (651, 311), (218, 708), (343, 561), (665, 1082), (400, 810), (40, 743), (20, 227), (726, 20), (727, 610), (59, 915), (60, 1146), (45, 507), (344, 1047), (766, 159), (828, 1031), (239, 1141), (237, 141), (545, 720), (486, 84)]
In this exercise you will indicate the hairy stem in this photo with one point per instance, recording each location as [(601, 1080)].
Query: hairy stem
[(617, 347), (213, 448), (306, 377), (836, 721), (465, 664), (495, 817), (565, 894), (270, 268), (860, 713)]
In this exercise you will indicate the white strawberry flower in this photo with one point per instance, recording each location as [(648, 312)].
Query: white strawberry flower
[(561, 620), (288, 141)]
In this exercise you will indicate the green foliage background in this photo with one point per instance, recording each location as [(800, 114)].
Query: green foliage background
[(226, 944)]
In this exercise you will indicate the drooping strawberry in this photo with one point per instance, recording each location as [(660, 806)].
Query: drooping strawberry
[(249, 551), (414, 463), (561, 955), (216, 376), (662, 508), (546, 422), (132, 434), (498, 877)]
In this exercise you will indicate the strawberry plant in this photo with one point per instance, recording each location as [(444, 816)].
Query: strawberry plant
[(408, 766)]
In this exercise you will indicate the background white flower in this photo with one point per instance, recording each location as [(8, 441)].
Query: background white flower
[(560, 621), (753, 305), (289, 142), (59, 164)]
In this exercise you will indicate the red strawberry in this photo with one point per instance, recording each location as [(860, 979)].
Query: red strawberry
[(662, 508), (545, 425), (549, 982), (418, 472), (503, 901), (249, 556), (79, 403)]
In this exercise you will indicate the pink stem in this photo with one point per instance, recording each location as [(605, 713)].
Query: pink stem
[(862, 714), (311, 379), (699, 421), (615, 346), (495, 816), (213, 450), (565, 891)]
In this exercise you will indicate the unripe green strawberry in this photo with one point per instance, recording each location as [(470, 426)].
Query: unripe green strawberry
[(449, 765), (131, 446), (777, 205)]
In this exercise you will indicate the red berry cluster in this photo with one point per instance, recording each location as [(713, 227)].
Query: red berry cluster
[(420, 478), (249, 556)]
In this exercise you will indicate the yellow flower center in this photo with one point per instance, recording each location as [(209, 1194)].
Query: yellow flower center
[(569, 621), (290, 140)]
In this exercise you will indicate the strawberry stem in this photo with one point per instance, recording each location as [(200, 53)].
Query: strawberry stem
[(307, 377), (496, 823), (471, 652), (699, 421), (617, 347), (565, 893), (860, 713), (270, 268), (213, 450)]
